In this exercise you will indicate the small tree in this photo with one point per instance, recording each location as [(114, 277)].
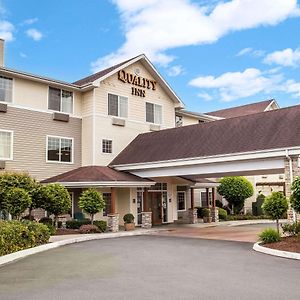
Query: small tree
[(16, 201), (235, 190), (58, 200), (275, 206), (295, 198), (92, 202), (39, 196), (10, 180)]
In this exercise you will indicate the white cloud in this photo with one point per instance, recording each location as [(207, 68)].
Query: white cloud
[(236, 85), (154, 26), (30, 21), (250, 51), (293, 87), (6, 31), (23, 55), (175, 71), (205, 96), (35, 34), (287, 57)]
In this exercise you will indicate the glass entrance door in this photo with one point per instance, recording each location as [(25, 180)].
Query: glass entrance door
[(139, 204)]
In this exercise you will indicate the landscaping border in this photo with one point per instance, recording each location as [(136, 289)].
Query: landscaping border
[(5, 259), (284, 254)]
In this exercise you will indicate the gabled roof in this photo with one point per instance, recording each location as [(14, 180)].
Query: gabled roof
[(97, 176), (197, 115), (275, 129), (243, 110), (103, 74)]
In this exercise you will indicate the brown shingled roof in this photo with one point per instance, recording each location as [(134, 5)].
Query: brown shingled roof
[(267, 130), (101, 73), (242, 110), (95, 174)]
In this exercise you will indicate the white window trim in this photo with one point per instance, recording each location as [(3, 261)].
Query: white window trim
[(154, 104), (73, 97), (12, 93), (118, 95), (112, 150), (11, 145), (60, 162), (184, 200)]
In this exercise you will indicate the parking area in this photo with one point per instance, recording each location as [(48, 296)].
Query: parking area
[(243, 233), (151, 267)]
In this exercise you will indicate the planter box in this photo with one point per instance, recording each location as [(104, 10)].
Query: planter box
[(129, 226)]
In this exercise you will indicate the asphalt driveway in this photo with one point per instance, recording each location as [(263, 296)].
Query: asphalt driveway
[(151, 267)]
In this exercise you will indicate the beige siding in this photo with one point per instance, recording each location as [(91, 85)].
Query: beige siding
[(34, 95), (87, 103), (30, 129), (188, 120), (87, 141)]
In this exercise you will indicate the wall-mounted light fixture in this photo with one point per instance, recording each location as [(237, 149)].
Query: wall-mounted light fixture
[(133, 201)]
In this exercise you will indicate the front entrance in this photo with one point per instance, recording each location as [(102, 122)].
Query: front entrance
[(159, 207)]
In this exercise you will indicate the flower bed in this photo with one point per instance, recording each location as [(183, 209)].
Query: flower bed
[(290, 244)]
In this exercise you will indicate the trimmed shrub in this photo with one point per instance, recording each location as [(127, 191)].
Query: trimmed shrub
[(89, 228), (206, 212), (246, 217), (128, 218), (20, 235), (291, 229), (269, 235), (75, 224), (102, 225), (199, 212), (222, 214)]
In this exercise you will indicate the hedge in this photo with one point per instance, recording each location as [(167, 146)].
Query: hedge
[(76, 224), (20, 235)]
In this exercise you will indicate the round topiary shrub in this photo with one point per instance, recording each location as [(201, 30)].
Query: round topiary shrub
[(128, 218), (222, 214)]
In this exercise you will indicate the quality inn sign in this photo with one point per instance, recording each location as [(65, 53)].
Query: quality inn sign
[(139, 81)]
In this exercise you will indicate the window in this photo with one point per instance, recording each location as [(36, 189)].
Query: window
[(107, 199), (106, 146), (178, 121), (180, 200), (153, 113), (59, 149), (6, 145), (117, 106), (6, 89), (60, 100)]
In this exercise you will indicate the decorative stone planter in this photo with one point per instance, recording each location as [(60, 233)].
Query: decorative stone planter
[(146, 219), (129, 226)]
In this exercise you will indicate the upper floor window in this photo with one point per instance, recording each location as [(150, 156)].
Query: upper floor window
[(59, 149), (153, 113), (106, 146), (117, 106), (60, 100), (6, 140), (6, 86), (178, 121)]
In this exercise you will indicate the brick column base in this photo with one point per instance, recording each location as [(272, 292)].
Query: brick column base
[(214, 214), (192, 216), (113, 222), (146, 219)]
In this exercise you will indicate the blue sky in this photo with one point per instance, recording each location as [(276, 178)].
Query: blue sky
[(214, 54)]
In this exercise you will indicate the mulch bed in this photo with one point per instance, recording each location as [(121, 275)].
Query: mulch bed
[(63, 231), (291, 244)]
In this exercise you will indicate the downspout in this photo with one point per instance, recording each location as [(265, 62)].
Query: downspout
[(291, 176)]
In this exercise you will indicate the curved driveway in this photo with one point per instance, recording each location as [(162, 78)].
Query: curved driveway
[(151, 267)]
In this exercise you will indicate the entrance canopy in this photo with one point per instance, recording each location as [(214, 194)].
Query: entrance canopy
[(247, 145), (98, 176)]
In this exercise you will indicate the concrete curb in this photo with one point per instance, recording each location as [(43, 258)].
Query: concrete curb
[(5, 259), (285, 254)]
